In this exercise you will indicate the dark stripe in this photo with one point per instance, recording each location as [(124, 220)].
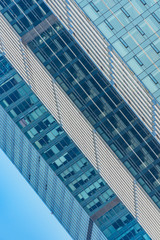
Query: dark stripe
[(90, 227), (29, 36), (105, 209)]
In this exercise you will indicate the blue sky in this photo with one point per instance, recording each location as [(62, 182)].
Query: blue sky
[(23, 216)]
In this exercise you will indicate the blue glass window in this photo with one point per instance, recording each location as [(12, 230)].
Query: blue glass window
[(108, 24), (153, 79), (140, 30), (155, 48), (123, 42), (125, 12), (94, 6), (143, 1), (138, 60), (156, 17)]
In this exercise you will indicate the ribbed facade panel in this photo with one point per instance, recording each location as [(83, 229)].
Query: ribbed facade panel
[(132, 92), (12, 48), (76, 126), (42, 84), (114, 173), (60, 11), (96, 234), (149, 213), (82, 134), (93, 43), (85, 35), (88, 36), (36, 171)]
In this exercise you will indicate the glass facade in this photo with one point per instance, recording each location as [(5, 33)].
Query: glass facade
[(96, 99), (132, 28), (65, 158)]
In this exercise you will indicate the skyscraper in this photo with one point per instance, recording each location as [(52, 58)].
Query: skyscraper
[(56, 169), (90, 106), (122, 37)]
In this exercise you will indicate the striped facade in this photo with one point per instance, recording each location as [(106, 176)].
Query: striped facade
[(56, 169), (96, 45), (104, 158)]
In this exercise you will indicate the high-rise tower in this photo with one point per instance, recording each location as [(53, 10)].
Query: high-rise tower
[(89, 101)]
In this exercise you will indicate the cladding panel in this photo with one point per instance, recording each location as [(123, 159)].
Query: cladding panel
[(56, 193), (80, 131), (87, 35)]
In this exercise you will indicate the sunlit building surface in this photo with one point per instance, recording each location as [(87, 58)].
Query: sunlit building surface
[(86, 142)]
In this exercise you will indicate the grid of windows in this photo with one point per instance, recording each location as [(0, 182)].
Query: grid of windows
[(105, 110), (133, 30), (80, 181), (41, 126), (23, 106), (72, 170), (100, 200), (32, 116), (4, 69), (99, 103), (32, 16), (50, 136), (65, 158), (68, 161)]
